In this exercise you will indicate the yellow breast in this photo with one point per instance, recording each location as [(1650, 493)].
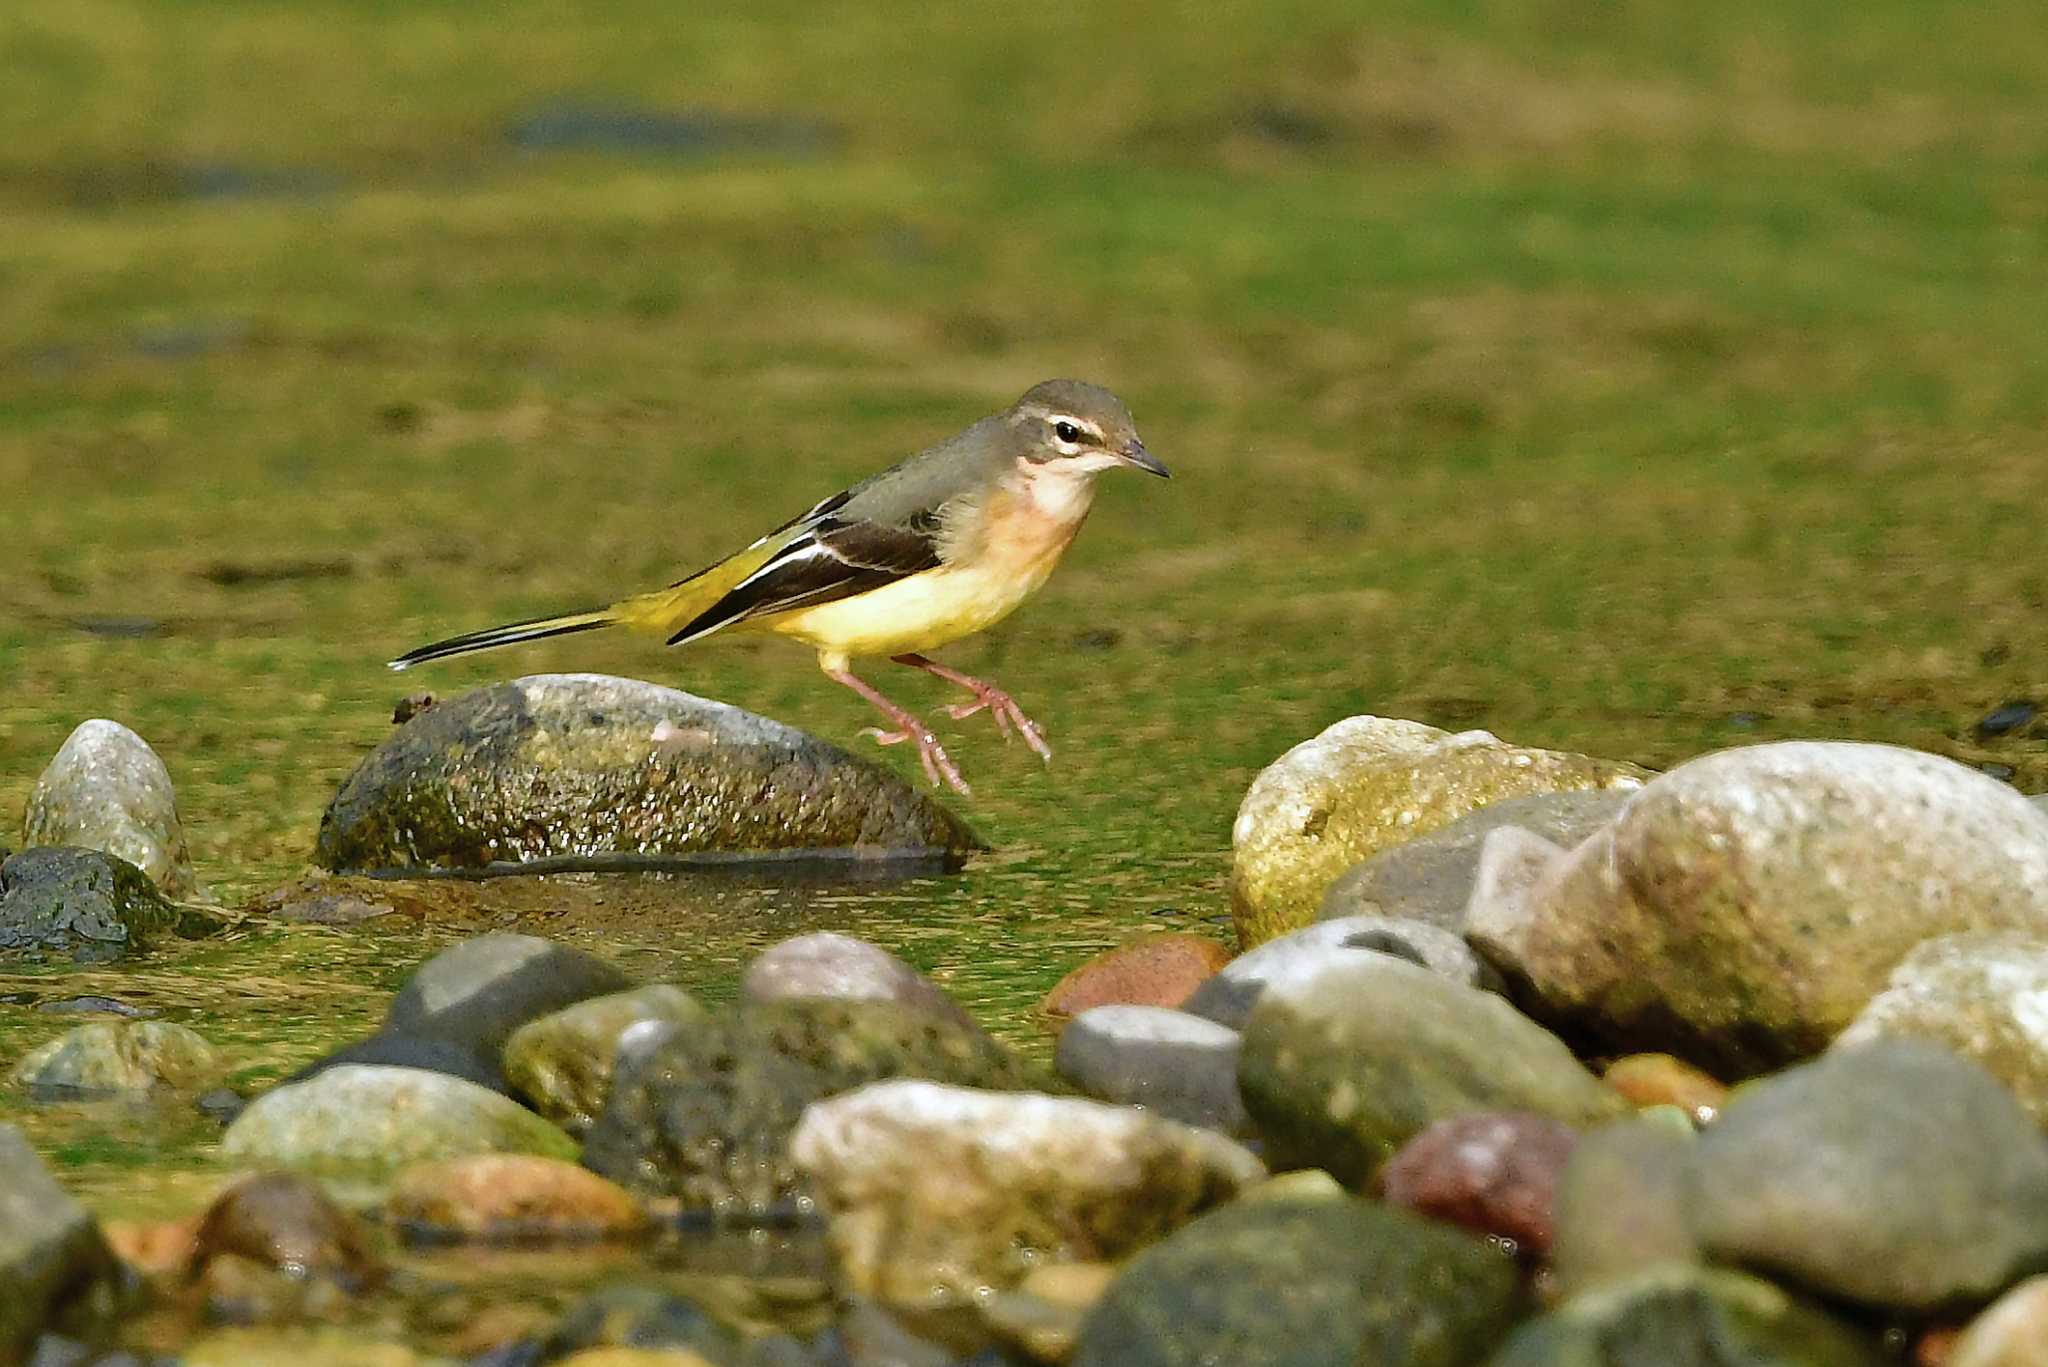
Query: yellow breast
[(998, 562)]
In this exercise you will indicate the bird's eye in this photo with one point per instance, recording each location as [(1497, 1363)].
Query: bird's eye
[(1066, 432)]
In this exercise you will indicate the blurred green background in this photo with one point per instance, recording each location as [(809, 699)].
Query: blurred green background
[(1638, 378)]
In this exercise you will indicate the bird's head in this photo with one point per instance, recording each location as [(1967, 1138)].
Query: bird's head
[(1078, 428)]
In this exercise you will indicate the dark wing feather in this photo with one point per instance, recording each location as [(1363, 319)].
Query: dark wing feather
[(832, 560)]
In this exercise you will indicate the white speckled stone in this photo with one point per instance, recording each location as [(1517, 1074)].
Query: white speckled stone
[(1290, 963), (1367, 784), (937, 1192), (1745, 906), (107, 790), (1984, 995), (376, 1116)]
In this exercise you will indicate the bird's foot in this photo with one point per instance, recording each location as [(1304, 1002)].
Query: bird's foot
[(1007, 714), (937, 763), (998, 704)]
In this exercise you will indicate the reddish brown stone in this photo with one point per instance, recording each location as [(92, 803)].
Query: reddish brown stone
[(1661, 1080), (512, 1197), (1935, 1347), (161, 1249), (1159, 970), (286, 1222), (1491, 1171)]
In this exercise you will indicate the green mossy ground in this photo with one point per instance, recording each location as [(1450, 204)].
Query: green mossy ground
[(1635, 379)]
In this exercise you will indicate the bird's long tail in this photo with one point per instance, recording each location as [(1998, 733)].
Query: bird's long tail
[(508, 634)]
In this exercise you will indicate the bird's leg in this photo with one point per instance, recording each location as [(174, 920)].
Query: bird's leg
[(936, 762), (1000, 705)]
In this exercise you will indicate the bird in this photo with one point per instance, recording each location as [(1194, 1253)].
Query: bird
[(938, 546)]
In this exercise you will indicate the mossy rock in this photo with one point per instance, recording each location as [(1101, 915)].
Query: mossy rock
[(585, 766), (1368, 784), (91, 906), (703, 1113)]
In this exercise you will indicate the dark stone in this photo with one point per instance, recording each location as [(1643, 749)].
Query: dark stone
[(222, 1104), (92, 906), (1180, 1066), (2010, 717), (411, 1051), (704, 1113), (573, 127), (483, 989), (56, 1271), (457, 1010), (582, 767), (1325, 1283)]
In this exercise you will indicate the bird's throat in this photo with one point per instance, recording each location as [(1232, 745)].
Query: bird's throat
[(1059, 495)]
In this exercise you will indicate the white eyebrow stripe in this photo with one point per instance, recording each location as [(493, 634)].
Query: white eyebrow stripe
[(1086, 426)]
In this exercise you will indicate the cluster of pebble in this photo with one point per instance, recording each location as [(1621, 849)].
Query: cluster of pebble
[(1461, 1102)]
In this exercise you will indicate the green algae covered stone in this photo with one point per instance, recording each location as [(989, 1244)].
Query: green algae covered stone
[(703, 1113), (1679, 1316), (586, 766), (1340, 1072), (1368, 784), (1317, 1283), (92, 906)]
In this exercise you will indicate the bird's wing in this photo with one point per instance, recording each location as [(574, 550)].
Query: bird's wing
[(822, 557)]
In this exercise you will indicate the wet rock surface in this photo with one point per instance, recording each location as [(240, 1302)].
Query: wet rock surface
[(937, 1192), (55, 1268), (1983, 996), (562, 1063), (1689, 1317), (1181, 1066), (1893, 1174), (107, 790), (1158, 970), (1364, 1057), (84, 905), (1747, 905), (839, 967), (1329, 1283), (380, 1117), (1429, 878), (703, 1114), (1365, 785), (1283, 966), (108, 1058), (584, 765)]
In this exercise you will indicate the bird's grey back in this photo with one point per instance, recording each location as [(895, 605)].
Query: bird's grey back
[(919, 484)]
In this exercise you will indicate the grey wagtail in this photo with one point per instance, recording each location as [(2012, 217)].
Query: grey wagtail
[(938, 547)]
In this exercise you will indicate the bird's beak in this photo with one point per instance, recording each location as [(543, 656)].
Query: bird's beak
[(1138, 458)]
